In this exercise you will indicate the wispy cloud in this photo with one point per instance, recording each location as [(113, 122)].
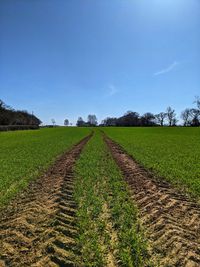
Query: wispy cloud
[(166, 70), (112, 90)]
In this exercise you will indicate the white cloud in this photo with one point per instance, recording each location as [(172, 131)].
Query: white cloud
[(168, 69), (112, 90)]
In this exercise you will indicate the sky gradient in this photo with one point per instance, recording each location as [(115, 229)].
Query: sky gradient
[(69, 58)]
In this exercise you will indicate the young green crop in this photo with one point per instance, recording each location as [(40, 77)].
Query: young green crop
[(106, 216), (25, 154), (170, 152)]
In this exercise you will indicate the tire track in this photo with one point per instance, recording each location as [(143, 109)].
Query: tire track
[(38, 228), (171, 219)]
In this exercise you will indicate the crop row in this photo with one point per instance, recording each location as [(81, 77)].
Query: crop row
[(107, 219), (171, 153), (24, 155)]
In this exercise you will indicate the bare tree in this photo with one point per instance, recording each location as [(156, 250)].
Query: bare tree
[(195, 113), (109, 122), (160, 118), (66, 122), (10, 116), (53, 122), (80, 122), (92, 120), (197, 102), (147, 119), (174, 121), (171, 115), (4, 106), (195, 117), (186, 116)]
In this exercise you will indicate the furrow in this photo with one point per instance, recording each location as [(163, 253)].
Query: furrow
[(171, 220), (38, 228)]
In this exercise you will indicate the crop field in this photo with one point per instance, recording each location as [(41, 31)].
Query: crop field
[(99, 133), (107, 217), (91, 202), (25, 154), (171, 153)]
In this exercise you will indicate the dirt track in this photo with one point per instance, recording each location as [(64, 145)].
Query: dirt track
[(39, 227), (172, 221)]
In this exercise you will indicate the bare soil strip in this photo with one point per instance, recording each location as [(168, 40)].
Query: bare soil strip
[(39, 227), (171, 220)]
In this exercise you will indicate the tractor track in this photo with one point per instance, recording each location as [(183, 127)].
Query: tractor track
[(170, 219), (38, 228)]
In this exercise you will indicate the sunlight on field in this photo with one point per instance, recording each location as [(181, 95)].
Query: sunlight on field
[(173, 153), (25, 154)]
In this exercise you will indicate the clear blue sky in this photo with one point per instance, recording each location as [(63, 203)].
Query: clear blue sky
[(68, 58)]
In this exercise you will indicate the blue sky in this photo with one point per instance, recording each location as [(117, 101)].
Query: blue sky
[(69, 58)]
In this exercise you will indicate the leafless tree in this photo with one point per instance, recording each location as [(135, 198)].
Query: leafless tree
[(109, 122), (195, 117), (171, 115), (92, 120), (195, 113), (10, 116), (174, 121), (147, 119), (80, 122), (53, 122), (66, 122), (186, 116), (197, 102), (160, 118)]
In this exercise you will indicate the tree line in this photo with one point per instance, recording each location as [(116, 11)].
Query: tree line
[(10, 116), (91, 121), (189, 116)]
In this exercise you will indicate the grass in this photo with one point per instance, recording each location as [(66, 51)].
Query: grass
[(171, 153), (26, 154), (106, 216)]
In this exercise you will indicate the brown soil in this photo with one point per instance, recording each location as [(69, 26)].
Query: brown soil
[(38, 228), (112, 234), (171, 220)]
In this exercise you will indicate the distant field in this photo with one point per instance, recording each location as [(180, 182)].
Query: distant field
[(172, 153), (25, 154)]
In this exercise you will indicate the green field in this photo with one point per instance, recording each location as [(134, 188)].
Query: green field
[(107, 217), (99, 223), (25, 154), (171, 153)]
